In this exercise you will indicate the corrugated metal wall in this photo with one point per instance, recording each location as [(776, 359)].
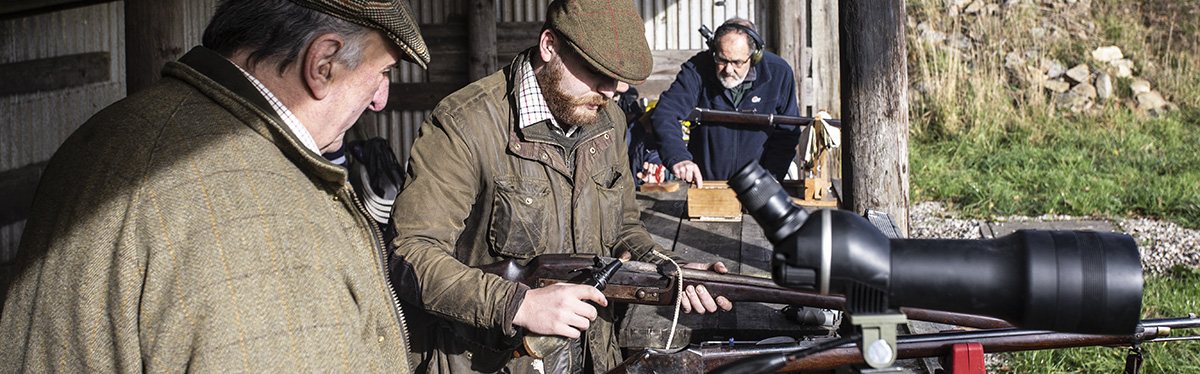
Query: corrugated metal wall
[(670, 24), (673, 24)]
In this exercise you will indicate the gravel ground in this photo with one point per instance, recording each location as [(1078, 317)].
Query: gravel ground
[(1162, 244)]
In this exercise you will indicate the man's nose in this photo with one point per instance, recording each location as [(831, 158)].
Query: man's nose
[(607, 87), (728, 69), (379, 101)]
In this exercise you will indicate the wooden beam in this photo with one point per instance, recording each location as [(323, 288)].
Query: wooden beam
[(152, 38), (826, 84), (874, 107), (55, 73), (481, 41), (18, 186), (419, 96), (26, 8), (451, 53), (790, 18)]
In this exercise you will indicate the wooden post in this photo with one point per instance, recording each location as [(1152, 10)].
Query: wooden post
[(481, 42), (825, 61), (789, 38), (875, 107), (152, 38)]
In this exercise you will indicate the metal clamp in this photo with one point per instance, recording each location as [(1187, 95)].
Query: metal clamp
[(878, 342)]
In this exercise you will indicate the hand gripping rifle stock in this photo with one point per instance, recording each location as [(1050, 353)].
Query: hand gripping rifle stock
[(643, 283)]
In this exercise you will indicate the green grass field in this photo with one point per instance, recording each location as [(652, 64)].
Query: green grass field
[(989, 145)]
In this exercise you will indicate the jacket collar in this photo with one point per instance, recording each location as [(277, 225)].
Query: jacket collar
[(216, 67), (220, 79)]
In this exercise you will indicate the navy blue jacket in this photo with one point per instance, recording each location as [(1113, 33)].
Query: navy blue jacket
[(720, 149)]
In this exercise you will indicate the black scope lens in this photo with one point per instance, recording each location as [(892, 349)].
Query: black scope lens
[(1069, 281), (767, 202)]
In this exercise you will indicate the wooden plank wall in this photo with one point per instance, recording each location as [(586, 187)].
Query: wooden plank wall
[(73, 60), (37, 119)]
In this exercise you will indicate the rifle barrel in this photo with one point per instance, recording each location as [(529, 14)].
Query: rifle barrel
[(936, 345), (641, 283), (701, 115)]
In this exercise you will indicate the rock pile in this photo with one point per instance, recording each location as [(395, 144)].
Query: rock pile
[(1076, 88), (1079, 88)]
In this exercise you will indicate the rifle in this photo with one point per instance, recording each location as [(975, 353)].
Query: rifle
[(644, 283), (701, 115), (710, 356)]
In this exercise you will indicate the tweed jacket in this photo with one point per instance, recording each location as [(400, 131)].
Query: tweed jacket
[(185, 229), (481, 190), (720, 150)]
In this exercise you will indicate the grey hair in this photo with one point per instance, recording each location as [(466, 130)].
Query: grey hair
[(277, 31), (727, 28)]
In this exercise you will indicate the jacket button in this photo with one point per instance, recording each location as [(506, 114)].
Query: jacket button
[(381, 338), (528, 201), (592, 150)]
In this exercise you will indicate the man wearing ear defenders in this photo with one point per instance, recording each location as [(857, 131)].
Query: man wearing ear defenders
[(735, 73)]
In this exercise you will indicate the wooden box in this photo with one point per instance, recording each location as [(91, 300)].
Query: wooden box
[(715, 202)]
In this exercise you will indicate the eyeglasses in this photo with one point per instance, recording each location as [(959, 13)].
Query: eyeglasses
[(721, 62)]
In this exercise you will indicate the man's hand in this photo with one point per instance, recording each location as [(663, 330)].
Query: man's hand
[(650, 174), (698, 298), (559, 309), (688, 171)]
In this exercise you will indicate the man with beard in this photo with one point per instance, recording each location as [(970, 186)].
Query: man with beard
[(528, 161), (728, 76)]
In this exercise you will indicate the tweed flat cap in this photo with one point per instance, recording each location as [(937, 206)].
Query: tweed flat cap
[(609, 34), (390, 16)]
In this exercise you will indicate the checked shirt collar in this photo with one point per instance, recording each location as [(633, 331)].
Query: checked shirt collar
[(288, 117), (531, 105)]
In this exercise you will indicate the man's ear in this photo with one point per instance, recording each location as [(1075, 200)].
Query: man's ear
[(546, 43), (318, 64)]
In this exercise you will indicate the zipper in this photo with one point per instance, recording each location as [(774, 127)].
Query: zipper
[(382, 251)]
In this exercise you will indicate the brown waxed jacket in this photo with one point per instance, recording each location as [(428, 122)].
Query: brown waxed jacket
[(479, 191), (186, 229)]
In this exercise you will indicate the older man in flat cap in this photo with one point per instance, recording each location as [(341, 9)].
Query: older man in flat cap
[(530, 161), (195, 227)]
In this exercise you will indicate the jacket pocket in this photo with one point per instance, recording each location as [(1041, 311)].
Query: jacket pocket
[(610, 209), (520, 218)]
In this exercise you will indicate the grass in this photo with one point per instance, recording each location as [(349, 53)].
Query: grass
[(1163, 297), (992, 147), (989, 142)]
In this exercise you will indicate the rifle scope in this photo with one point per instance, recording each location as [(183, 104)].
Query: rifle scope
[(1068, 281)]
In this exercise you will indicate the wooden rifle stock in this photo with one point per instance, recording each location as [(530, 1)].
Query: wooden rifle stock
[(701, 359), (642, 283), (701, 115)]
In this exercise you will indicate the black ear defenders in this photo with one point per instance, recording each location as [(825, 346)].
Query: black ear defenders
[(755, 55)]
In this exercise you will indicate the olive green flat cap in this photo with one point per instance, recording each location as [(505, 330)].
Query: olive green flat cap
[(390, 16), (609, 34)]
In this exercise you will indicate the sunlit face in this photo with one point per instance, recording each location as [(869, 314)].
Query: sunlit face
[(352, 91), (574, 90), (732, 57)]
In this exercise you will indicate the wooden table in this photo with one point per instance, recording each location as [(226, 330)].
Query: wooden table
[(742, 246)]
